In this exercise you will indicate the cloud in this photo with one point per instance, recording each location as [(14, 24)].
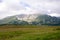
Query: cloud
[(1, 1), (14, 7)]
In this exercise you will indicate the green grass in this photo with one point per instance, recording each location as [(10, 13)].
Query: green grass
[(17, 32), (45, 36), (7, 35)]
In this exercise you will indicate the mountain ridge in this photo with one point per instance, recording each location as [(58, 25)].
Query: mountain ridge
[(33, 19)]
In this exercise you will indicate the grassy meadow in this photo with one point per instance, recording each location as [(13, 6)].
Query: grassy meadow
[(29, 32)]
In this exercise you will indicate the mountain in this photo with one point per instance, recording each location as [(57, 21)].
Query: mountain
[(12, 20), (33, 19), (7, 19), (47, 20)]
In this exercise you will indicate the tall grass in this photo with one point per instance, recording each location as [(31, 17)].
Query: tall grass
[(7, 35), (30, 32), (45, 36)]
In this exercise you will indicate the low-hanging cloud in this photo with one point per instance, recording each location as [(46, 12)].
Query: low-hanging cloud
[(14, 7)]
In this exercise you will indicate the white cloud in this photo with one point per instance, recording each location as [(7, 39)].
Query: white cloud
[(54, 14), (14, 7)]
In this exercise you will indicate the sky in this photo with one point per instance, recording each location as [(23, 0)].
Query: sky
[(15, 7)]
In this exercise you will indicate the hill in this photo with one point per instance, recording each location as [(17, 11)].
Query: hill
[(33, 19)]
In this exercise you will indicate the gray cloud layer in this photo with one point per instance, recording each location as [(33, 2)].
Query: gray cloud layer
[(13, 7)]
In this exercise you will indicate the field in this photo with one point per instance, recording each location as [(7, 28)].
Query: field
[(29, 32)]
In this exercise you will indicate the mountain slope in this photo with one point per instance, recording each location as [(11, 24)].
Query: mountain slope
[(34, 19), (7, 19), (46, 19)]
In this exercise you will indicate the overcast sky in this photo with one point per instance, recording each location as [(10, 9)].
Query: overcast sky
[(14, 7)]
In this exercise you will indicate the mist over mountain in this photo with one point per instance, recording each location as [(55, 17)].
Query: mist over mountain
[(33, 19)]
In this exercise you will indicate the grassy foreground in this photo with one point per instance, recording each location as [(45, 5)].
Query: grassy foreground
[(29, 32)]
